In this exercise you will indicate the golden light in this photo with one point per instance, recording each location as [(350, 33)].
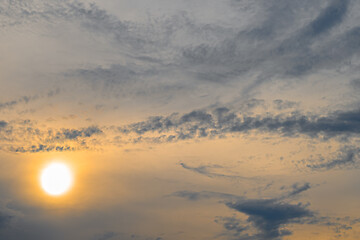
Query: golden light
[(56, 179)]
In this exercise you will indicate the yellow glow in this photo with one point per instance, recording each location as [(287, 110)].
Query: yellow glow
[(56, 179)]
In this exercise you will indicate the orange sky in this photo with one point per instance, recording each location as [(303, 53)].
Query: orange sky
[(181, 120)]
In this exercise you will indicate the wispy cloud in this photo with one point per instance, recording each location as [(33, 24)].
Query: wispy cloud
[(260, 48), (27, 99), (206, 170)]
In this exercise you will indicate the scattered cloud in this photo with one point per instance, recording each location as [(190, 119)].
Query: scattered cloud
[(26, 137), (42, 148), (26, 99), (73, 134), (181, 57), (208, 123), (345, 157)]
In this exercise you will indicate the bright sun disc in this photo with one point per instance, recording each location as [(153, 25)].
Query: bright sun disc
[(56, 179)]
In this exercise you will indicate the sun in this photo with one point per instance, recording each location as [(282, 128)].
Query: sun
[(56, 179)]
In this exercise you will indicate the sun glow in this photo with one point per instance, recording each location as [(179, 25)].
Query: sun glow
[(56, 179)]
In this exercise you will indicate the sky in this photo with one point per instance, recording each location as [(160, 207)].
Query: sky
[(217, 119)]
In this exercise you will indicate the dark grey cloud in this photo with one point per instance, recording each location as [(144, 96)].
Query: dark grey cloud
[(355, 83), (201, 169), (208, 123), (42, 148), (128, 35), (345, 157), (206, 171), (268, 216), (26, 137), (280, 41), (283, 42), (3, 124), (4, 220), (221, 121), (233, 225), (84, 15), (113, 74), (134, 80), (195, 196), (282, 104), (297, 189), (11, 104), (294, 56), (105, 236), (27, 99), (328, 18), (73, 134), (232, 53), (236, 54)]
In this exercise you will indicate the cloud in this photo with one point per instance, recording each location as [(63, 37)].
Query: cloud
[(73, 134), (253, 49), (221, 121), (296, 189), (328, 18), (282, 42), (268, 216), (282, 104), (221, 53), (267, 48), (206, 171), (26, 99), (355, 83), (209, 123), (3, 124), (347, 156), (105, 236), (331, 16), (233, 225), (4, 220), (42, 148), (113, 74), (195, 196), (46, 140)]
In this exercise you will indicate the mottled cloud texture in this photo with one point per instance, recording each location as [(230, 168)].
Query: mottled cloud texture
[(253, 104)]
